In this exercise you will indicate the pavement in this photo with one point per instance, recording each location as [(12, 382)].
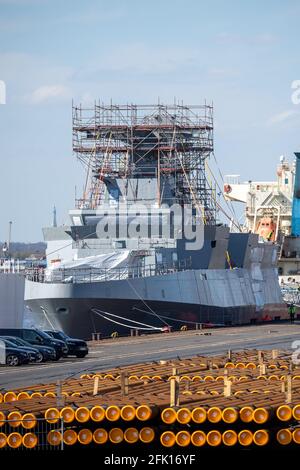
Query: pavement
[(107, 354)]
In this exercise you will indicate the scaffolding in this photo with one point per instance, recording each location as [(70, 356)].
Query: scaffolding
[(167, 142)]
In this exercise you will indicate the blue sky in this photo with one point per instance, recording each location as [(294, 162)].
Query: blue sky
[(241, 55)]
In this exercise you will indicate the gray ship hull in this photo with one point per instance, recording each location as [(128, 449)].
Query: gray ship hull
[(223, 297)]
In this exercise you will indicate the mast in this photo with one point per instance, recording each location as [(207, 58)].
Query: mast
[(9, 237), (141, 144)]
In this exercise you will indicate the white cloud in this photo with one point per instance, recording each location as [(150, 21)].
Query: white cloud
[(282, 117), (34, 79), (31, 78), (265, 38), (30, 69), (48, 92), (141, 58)]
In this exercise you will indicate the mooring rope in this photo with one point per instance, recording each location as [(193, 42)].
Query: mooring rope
[(103, 313)]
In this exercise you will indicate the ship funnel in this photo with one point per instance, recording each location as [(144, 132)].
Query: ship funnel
[(296, 200)]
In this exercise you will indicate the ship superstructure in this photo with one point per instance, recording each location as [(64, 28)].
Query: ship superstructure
[(272, 211), (268, 204)]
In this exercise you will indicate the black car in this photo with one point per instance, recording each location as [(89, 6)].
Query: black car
[(34, 355), (16, 356), (77, 347), (37, 338), (48, 353)]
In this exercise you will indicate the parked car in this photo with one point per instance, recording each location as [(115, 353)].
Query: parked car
[(34, 355), (16, 356), (76, 347), (37, 338), (48, 353)]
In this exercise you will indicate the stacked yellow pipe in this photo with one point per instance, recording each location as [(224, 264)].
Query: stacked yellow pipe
[(257, 397)]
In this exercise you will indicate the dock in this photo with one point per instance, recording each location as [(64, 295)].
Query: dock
[(182, 390)]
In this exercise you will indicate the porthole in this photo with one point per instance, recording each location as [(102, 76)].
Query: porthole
[(62, 310)]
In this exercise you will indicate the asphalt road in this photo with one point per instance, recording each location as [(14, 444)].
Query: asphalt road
[(123, 351)]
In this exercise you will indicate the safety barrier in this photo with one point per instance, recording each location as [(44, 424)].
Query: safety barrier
[(29, 433)]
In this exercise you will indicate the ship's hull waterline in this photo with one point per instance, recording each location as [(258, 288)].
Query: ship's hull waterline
[(222, 297)]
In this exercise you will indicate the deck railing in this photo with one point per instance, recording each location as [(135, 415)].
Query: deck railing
[(74, 276)]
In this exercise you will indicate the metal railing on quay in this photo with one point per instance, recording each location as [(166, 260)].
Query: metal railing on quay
[(26, 432)]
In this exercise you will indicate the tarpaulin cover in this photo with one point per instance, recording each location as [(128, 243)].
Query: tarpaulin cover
[(106, 266)]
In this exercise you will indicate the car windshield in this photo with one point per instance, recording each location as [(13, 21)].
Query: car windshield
[(57, 334), (62, 335), (20, 342), (43, 334), (12, 340), (8, 343)]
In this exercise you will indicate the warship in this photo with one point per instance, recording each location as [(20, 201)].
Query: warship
[(144, 249)]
